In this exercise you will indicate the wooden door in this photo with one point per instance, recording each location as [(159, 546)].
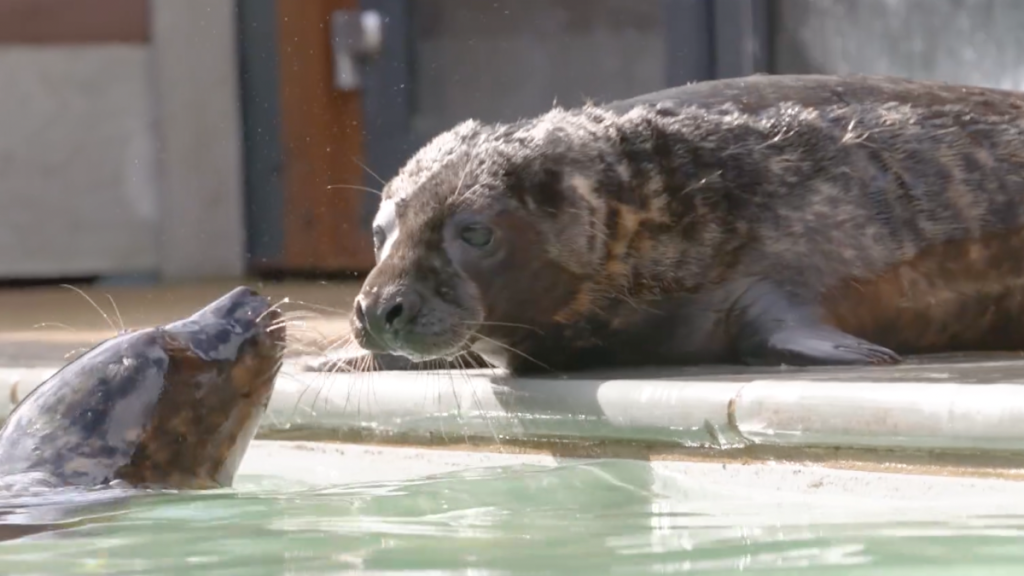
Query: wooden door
[(323, 219)]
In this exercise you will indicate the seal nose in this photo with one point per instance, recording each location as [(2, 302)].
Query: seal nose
[(394, 312)]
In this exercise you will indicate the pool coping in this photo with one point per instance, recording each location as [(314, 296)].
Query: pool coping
[(924, 406)]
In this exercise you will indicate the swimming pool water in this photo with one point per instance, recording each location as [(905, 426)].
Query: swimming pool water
[(531, 517)]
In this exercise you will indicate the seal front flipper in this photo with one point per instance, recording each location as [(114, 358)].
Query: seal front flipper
[(812, 346), (773, 329)]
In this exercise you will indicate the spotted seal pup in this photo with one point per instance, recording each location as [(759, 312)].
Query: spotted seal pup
[(171, 407), (768, 220)]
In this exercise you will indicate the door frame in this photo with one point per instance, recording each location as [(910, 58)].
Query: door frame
[(705, 39), (303, 142)]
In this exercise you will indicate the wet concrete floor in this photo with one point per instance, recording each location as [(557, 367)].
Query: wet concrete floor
[(43, 325)]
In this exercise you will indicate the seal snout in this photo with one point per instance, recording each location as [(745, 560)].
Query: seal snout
[(389, 315), (220, 330)]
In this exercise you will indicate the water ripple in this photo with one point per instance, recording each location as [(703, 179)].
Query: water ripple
[(609, 517)]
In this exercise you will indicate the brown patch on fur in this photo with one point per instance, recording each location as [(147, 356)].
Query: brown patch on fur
[(956, 295), (195, 428), (623, 245)]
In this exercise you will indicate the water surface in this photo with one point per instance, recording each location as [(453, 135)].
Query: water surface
[(603, 517)]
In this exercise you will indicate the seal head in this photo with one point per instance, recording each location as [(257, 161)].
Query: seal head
[(168, 407), (475, 217)]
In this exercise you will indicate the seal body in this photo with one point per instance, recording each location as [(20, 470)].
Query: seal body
[(798, 220), (168, 407)]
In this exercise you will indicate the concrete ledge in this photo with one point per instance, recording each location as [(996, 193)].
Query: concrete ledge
[(718, 492), (941, 405)]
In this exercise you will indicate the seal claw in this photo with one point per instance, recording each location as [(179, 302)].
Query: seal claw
[(818, 346)]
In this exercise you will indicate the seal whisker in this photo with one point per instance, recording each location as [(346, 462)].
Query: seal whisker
[(74, 352), (302, 324), (335, 365), (364, 365), (354, 187), (325, 388), (331, 368), (117, 311), (514, 351), (304, 348), (321, 307), (316, 396), (298, 400), (300, 315), (57, 324), (93, 302), (297, 327), (437, 393), (372, 173), (301, 395), (510, 324), (348, 393), (343, 344), (460, 361), (276, 307), (299, 323), (435, 365), (308, 338)]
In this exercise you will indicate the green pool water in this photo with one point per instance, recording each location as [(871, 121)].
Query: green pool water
[(594, 517)]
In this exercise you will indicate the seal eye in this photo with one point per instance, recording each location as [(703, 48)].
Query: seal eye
[(477, 235), (378, 238)]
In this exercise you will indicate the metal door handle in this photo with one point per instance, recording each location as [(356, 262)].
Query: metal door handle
[(356, 35)]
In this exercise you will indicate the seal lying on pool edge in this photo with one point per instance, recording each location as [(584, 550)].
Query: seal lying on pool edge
[(168, 407), (799, 220)]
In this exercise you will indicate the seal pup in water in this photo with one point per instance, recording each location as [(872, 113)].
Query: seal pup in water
[(768, 220), (170, 407)]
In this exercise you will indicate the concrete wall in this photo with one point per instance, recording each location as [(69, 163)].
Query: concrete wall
[(119, 154), (77, 179), (196, 98), (503, 59), (971, 41)]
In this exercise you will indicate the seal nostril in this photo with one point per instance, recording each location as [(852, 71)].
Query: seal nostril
[(401, 310), (393, 314), (360, 313)]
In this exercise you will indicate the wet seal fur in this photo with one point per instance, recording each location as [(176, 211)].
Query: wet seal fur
[(170, 407), (769, 220)]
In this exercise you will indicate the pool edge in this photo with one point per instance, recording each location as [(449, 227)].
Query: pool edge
[(899, 425)]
